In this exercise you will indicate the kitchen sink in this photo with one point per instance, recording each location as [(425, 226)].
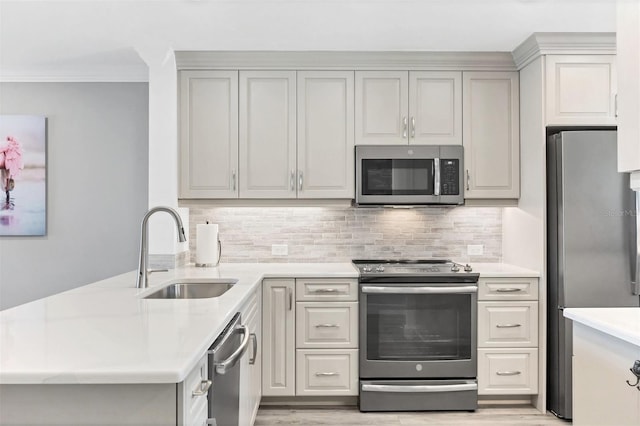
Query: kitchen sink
[(193, 290)]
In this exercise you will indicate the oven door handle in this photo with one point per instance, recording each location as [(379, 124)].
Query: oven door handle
[(419, 290), (420, 388)]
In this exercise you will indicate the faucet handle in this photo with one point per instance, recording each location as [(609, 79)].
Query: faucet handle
[(151, 271)]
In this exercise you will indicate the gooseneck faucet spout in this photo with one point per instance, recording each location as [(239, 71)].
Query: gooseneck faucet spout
[(143, 271)]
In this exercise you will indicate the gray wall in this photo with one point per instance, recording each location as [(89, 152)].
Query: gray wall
[(97, 160)]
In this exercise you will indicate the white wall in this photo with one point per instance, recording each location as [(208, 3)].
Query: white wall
[(97, 186)]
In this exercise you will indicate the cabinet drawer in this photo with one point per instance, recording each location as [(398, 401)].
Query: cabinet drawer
[(327, 372), (507, 371), (195, 381), (327, 325), (502, 324), (318, 289), (508, 289)]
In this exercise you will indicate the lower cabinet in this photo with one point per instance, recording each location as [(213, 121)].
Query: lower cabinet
[(507, 336), (310, 329), (192, 396)]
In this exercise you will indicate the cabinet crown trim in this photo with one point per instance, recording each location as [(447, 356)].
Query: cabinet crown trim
[(345, 60), (563, 44)]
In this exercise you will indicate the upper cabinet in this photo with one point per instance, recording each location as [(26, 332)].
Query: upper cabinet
[(208, 134), (581, 90), (628, 57), (267, 134), (325, 135), (491, 135), (416, 107)]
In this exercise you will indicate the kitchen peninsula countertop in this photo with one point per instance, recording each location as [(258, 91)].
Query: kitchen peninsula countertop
[(623, 323), (106, 332)]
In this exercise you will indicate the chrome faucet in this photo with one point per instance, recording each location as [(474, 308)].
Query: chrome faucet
[(143, 272)]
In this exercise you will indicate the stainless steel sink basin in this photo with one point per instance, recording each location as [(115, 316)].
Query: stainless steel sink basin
[(193, 290)]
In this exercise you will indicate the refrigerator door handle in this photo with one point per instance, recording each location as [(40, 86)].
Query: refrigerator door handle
[(635, 243)]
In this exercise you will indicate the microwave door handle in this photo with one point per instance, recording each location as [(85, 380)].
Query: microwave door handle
[(635, 251), (436, 177)]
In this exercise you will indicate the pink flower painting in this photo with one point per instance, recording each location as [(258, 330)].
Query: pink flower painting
[(22, 175)]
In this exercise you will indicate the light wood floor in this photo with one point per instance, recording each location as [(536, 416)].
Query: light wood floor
[(350, 416)]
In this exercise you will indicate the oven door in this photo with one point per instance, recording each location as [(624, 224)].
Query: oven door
[(418, 330)]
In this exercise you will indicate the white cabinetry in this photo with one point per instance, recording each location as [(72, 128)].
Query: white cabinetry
[(628, 68), (325, 135), (267, 134), (491, 135), (601, 395), (251, 367), (278, 338), (581, 89), (416, 107), (507, 336), (208, 134), (193, 392)]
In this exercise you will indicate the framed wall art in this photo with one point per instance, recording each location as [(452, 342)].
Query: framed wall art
[(23, 175)]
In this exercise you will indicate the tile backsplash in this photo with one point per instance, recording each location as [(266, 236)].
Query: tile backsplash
[(339, 234)]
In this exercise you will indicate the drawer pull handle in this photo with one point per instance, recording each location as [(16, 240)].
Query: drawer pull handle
[(329, 374), (508, 373), (327, 326), (508, 325), (203, 389), (508, 290), (325, 290)]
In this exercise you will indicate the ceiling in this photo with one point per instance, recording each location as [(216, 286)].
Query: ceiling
[(100, 40)]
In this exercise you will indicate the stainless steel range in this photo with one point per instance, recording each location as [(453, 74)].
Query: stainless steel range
[(418, 322)]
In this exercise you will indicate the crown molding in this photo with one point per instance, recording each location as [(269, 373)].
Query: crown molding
[(109, 75), (345, 60), (563, 44)]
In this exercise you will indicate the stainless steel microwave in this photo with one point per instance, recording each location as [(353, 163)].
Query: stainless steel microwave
[(409, 175)]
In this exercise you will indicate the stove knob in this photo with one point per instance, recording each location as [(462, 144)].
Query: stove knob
[(468, 268), (366, 269), (380, 269), (455, 268)]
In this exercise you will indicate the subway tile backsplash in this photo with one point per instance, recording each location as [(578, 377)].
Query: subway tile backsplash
[(339, 234)]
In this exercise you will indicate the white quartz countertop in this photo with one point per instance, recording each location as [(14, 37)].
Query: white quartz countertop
[(498, 270), (623, 323), (106, 332)]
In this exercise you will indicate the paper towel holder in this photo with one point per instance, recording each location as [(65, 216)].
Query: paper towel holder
[(212, 265)]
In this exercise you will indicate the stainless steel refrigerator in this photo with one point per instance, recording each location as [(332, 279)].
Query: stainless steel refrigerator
[(592, 243)]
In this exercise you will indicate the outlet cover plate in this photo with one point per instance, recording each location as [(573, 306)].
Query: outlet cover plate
[(475, 249), (279, 249)]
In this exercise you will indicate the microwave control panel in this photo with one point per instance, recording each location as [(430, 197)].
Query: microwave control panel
[(449, 177)]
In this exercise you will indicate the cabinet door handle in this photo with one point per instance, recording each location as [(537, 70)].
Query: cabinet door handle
[(413, 127), (508, 325), (327, 374), (327, 326), (203, 389), (468, 179), (290, 296), (300, 180), (254, 355), (615, 105), (325, 290), (508, 373), (404, 127), (292, 180), (233, 179), (508, 290)]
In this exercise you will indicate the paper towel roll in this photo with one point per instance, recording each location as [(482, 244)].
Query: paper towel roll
[(207, 252)]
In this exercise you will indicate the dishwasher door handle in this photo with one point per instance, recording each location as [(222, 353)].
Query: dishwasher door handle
[(222, 366)]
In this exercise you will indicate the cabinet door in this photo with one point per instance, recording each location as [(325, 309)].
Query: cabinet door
[(208, 134), (382, 107), (628, 69), (278, 338), (580, 90), (491, 135), (267, 134), (435, 107), (325, 134)]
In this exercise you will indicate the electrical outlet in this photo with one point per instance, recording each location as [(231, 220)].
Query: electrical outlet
[(475, 249), (279, 249)]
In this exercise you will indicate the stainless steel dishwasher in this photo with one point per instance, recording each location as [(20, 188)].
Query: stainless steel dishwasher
[(224, 372)]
